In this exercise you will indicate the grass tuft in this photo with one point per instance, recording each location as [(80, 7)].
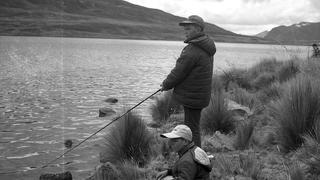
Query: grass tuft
[(296, 112), (243, 135), (288, 70), (129, 139), (163, 107), (216, 116)]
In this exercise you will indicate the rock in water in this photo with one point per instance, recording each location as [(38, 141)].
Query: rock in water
[(61, 176), (106, 112), (111, 100), (68, 143)]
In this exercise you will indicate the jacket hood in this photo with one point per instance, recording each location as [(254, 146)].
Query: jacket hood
[(204, 42)]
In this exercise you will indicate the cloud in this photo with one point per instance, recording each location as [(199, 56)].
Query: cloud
[(255, 1), (242, 15)]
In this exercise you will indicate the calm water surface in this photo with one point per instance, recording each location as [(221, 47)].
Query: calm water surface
[(51, 90)]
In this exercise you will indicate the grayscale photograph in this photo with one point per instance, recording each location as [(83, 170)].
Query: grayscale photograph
[(159, 90)]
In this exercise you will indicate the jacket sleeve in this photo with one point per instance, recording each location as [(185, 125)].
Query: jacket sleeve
[(183, 67), (186, 171)]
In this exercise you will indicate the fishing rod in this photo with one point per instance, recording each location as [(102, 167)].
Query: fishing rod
[(71, 149)]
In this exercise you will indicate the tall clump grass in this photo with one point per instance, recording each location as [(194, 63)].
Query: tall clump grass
[(243, 135), (163, 107), (288, 70), (216, 116), (296, 112), (128, 139)]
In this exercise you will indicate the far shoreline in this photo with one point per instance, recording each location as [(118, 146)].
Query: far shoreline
[(149, 39)]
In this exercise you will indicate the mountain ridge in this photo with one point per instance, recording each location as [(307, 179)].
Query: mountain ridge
[(304, 33), (114, 19)]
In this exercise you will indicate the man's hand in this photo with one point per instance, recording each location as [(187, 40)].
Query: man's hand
[(161, 175), (162, 88)]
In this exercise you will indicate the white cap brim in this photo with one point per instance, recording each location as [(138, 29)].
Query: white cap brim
[(170, 135)]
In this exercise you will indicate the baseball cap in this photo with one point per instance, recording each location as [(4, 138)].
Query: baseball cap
[(180, 131), (193, 19)]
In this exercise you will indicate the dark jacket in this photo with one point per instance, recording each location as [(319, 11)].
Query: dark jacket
[(193, 164), (191, 77)]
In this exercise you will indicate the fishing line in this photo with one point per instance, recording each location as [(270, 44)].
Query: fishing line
[(71, 149)]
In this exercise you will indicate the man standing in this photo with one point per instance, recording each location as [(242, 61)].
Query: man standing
[(191, 77), (193, 162)]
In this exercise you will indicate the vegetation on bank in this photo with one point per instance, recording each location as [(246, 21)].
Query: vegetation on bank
[(278, 139)]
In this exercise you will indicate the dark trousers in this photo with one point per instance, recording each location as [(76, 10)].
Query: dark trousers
[(192, 120)]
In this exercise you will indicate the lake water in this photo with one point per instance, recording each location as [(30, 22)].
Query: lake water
[(52, 88)]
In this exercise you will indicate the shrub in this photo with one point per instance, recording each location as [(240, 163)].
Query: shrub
[(163, 107), (296, 112), (216, 116), (129, 139), (243, 135)]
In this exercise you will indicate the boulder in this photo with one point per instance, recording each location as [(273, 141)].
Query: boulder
[(111, 100), (60, 176), (106, 112), (68, 143)]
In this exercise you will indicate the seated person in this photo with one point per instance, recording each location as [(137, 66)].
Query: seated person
[(316, 51), (193, 162)]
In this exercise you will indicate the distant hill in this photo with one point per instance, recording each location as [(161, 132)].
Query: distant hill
[(262, 34), (100, 19), (301, 33)]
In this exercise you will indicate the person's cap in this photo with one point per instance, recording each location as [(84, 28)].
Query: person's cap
[(180, 131), (194, 19)]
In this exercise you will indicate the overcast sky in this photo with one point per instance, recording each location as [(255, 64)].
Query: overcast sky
[(247, 17)]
